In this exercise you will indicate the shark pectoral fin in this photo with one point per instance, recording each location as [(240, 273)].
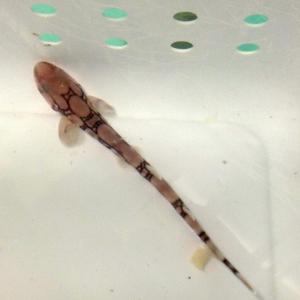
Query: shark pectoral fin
[(68, 132), (101, 106), (201, 256)]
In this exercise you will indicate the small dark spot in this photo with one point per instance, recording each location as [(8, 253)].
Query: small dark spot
[(189, 277), (271, 117), (224, 162), (185, 16), (182, 46), (111, 290)]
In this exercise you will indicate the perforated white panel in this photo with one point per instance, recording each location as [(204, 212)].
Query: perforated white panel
[(221, 125)]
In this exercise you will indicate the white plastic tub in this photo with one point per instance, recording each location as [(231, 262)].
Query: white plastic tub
[(220, 125)]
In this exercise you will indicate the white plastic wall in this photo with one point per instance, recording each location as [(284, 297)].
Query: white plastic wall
[(221, 126)]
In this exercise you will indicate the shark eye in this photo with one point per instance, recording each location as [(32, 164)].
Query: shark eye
[(41, 90), (55, 107)]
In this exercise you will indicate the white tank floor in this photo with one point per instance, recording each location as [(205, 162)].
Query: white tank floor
[(222, 127)]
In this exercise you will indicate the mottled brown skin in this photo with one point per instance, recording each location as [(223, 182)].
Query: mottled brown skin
[(67, 97)]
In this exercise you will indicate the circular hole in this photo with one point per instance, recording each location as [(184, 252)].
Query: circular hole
[(256, 20), (50, 38), (116, 43), (182, 46), (43, 9), (185, 16), (248, 48), (114, 13)]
